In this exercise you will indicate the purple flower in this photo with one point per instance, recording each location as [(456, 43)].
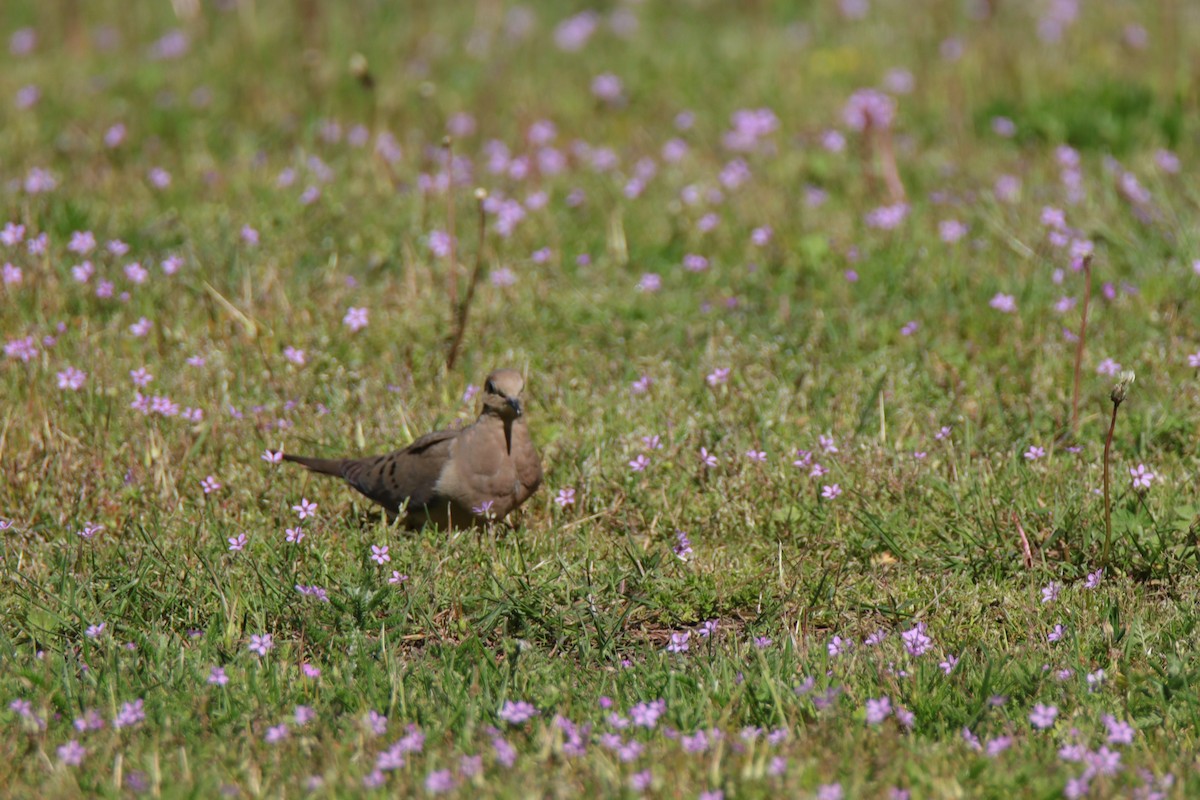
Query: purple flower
[(356, 319), (834, 142), (506, 754), (574, 32), (439, 782), (869, 108), (90, 721), (377, 723), (23, 349), (1119, 732), (71, 379), (831, 492), (276, 734), (682, 546), (645, 715), (830, 791), (679, 642), (237, 543), (1056, 634), (1050, 592), (1077, 787), (130, 714), (1003, 126), (1043, 716), (210, 485), (12, 235), (650, 283), (639, 463), (718, 376), (171, 45), (1094, 578), (1103, 762), (305, 509), (72, 753), (707, 458), (887, 218), (514, 713), (1007, 188), (217, 677), (951, 230), (1034, 453), (998, 745), (470, 766), (640, 781), (878, 710), (1004, 302), (607, 87), (141, 328), (379, 554), (261, 644), (502, 277), (916, 641), (1142, 477), (1167, 161)]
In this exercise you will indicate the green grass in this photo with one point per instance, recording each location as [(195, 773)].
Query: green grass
[(572, 608)]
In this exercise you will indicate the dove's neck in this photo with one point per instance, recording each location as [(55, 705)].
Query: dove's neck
[(490, 420)]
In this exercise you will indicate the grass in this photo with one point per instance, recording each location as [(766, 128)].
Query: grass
[(951, 434)]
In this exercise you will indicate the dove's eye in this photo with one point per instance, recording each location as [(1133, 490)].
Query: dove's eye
[(490, 388)]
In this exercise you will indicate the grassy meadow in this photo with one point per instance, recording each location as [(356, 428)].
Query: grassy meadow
[(799, 289)]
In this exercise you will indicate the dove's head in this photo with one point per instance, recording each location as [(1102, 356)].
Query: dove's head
[(502, 394)]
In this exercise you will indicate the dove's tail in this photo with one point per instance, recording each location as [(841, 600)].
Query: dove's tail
[(325, 466)]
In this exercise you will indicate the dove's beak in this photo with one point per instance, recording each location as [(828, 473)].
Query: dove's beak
[(515, 404)]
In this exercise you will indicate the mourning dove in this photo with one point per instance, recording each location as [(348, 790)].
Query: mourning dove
[(453, 478)]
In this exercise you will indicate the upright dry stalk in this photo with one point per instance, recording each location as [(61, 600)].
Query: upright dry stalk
[(464, 308), (1087, 297), (1117, 396), (452, 269), (887, 162)]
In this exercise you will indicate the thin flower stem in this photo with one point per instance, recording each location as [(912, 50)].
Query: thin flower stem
[(452, 263), (460, 327), (887, 162), (1112, 425)]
